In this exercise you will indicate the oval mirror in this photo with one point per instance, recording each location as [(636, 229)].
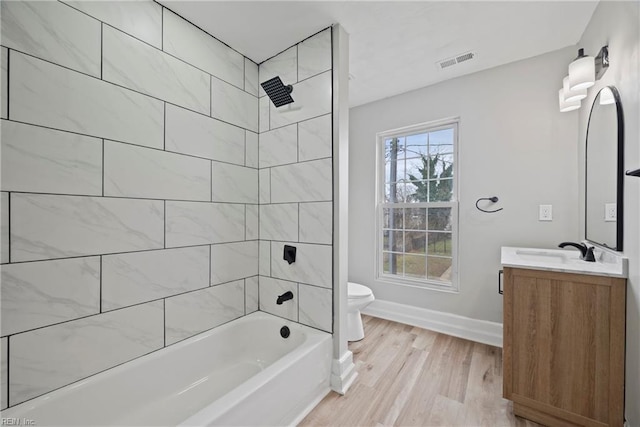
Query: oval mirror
[(604, 174)]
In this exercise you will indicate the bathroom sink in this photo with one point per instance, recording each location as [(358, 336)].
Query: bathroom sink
[(564, 260)]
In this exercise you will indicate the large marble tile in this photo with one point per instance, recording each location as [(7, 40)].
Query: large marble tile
[(251, 222), (41, 160), (312, 98), (270, 289), (53, 31), (314, 55), (192, 133), (132, 171), (233, 105), (141, 19), (36, 294), (251, 84), (47, 226), (302, 182), (138, 66), (233, 261), (313, 266), (4, 227), (233, 184), (196, 223), (195, 312), (316, 307), (315, 138), (251, 148), (279, 146), (283, 65), (189, 43), (264, 106), (264, 267), (48, 95), (251, 294), (4, 372), (132, 278), (49, 358), (264, 177), (4, 77), (279, 222), (316, 222)]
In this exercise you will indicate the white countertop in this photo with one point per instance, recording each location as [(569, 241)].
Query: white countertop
[(565, 261)]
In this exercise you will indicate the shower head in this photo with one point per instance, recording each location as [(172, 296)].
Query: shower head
[(277, 91)]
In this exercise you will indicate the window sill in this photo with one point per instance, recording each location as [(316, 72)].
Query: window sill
[(430, 285)]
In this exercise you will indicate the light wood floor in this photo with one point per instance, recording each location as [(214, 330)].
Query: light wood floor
[(409, 376)]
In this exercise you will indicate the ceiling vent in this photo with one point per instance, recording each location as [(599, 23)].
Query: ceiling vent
[(450, 62)]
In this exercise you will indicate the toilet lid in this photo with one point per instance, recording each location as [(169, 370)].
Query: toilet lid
[(356, 290)]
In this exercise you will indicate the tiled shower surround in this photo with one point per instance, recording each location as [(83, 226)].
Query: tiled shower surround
[(149, 185)]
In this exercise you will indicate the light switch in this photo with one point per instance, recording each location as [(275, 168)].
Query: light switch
[(610, 212), (546, 213)]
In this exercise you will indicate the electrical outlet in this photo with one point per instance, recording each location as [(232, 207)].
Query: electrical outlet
[(546, 213), (610, 212)]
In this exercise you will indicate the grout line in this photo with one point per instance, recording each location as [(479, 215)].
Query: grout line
[(210, 250), (101, 48), (211, 96), (8, 370), (164, 322), (103, 172), (164, 127), (8, 80), (9, 226), (245, 222), (162, 33), (100, 300), (245, 295), (164, 219), (211, 183)]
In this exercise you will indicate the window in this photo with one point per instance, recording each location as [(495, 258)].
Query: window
[(417, 207)]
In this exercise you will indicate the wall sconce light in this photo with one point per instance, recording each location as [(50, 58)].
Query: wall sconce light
[(583, 73)]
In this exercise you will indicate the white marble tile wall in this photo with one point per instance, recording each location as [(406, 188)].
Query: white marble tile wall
[(279, 146), (279, 222), (192, 133), (133, 64), (315, 307), (196, 47), (196, 223), (53, 31), (132, 278), (4, 372), (302, 182), (4, 73), (313, 264), (66, 163), (48, 358), (233, 261), (314, 55), (131, 171), (45, 94), (270, 289), (251, 77), (252, 231), (234, 184), (233, 105), (251, 294), (51, 226), (251, 147), (296, 184), (195, 312), (141, 19), (37, 294), (4, 227)]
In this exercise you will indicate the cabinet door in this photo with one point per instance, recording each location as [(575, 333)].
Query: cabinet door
[(564, 341)]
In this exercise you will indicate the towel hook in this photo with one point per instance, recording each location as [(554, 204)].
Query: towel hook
[(493, 199)]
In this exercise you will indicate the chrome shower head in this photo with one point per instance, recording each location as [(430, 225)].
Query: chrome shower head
[(277, 91)]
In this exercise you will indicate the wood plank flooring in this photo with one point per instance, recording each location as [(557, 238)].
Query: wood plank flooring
[(409, 376)]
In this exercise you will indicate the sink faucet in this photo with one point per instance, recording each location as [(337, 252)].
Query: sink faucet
[(284, 297), (586, 253)]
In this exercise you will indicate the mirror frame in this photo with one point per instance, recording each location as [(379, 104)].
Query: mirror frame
[(619, 171)]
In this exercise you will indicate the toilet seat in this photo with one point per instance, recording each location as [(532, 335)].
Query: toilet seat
[(355, 291)]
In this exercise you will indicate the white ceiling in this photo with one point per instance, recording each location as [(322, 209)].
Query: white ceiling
[(394, 45)]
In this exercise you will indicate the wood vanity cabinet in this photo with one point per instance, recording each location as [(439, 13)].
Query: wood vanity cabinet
[(563, 351)]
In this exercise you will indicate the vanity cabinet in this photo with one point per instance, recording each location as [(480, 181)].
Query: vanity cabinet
[(563, 351)]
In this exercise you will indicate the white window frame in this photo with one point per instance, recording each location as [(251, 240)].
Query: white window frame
[(453, 204)]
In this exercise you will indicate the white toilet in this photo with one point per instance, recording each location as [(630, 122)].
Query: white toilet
[(359, 297)]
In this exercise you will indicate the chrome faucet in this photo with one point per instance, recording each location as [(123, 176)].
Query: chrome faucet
[(284, 297), (586, 252)]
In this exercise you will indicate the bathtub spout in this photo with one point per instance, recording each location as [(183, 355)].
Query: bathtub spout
[(284, 297)]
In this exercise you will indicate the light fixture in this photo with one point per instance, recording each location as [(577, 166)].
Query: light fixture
[(567, 105), (606, 97), (572, 95), (582, 72)]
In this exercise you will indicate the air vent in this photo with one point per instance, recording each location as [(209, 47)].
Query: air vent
[(450, 62)]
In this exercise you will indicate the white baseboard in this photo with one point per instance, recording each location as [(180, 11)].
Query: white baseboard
[(451, 324), (343, 373)]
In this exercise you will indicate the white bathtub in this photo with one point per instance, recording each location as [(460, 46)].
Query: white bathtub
[(241, 373)]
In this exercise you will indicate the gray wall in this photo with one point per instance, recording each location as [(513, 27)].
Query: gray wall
[(513, 143), (617, 24)]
